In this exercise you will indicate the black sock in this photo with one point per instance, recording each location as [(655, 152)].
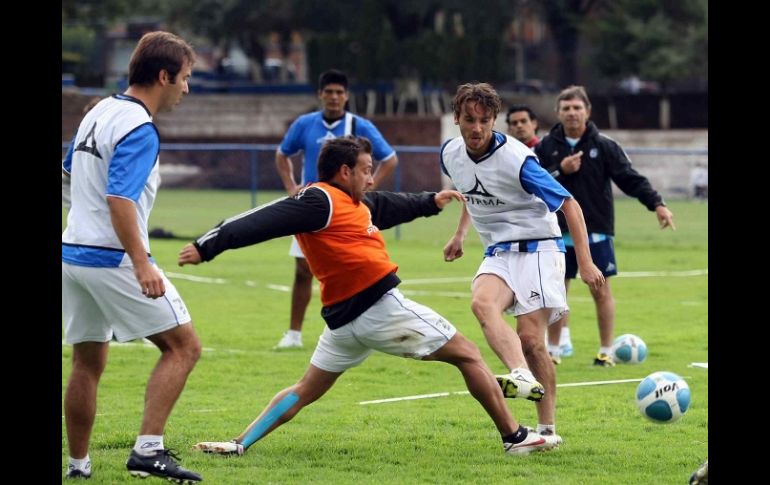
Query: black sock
[(516, 437)]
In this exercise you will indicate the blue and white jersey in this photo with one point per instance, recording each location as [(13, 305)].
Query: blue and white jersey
[(114, 153), (510, 197), (309, 132)]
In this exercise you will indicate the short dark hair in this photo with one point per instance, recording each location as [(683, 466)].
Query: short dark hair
[(520, 107), (332, 76), (157, 51), (482, 93), (573, 92), (341, 151)]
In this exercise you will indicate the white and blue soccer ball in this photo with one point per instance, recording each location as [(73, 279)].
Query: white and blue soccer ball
[(663, 397), (629, 349)]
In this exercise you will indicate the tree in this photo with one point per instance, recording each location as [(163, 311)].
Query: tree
[(374, 40), (664, 41), (84, 26), (565, 19)]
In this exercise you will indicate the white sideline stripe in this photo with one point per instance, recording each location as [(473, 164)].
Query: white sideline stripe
[(451, 294), (444, 394), (702, 365), (197, 279), (151, 345), (279, 287), (191, 410), (430, 281), (647, 274), (624, 274)]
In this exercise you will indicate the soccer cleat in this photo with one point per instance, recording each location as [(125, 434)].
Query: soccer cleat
[(220, 447), (520, 383), (160, 464), (533, 442), (290, 340), (73, 472), (604, 360), (701, 475), (548, 435), (566, 349)]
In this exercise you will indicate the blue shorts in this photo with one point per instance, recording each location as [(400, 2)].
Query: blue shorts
[(602, 254)]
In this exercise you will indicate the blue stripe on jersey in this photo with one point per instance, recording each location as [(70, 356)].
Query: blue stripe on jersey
[(535, 180), (309, 132), (135, 156), (92, 256), (66, 164), (593, 237), (528, 246)]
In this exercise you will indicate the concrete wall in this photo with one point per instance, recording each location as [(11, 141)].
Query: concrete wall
[(264, 119)]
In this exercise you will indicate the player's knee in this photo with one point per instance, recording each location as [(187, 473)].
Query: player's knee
[(482, 308), (190, 350), (602, 293), (467, 349)]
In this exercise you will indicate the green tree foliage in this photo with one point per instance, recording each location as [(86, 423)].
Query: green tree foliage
[(566, 19), (664, 41), (375, 40)]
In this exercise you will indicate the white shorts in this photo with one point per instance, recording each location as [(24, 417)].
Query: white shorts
[(536, 279), (295, 250), (100, 302), (394, 325)]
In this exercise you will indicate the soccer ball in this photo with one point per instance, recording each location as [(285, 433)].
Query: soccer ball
[(629, 349), (663, 397)]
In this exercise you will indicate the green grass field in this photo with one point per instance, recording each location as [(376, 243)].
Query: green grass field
[(440, 440)]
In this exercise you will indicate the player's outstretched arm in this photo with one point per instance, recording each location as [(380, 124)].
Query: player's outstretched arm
[(454, 248), (445, 196)]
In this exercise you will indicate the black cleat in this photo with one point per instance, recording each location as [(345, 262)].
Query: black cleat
[(162, 465)]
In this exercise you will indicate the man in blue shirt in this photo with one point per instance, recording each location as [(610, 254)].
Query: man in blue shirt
[(307, 134)]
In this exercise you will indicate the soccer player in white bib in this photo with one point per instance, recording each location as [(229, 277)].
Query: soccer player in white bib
[(511, 201), (307, 134), (111, 286)]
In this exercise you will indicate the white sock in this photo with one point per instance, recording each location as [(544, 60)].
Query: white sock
[(147, 444), (295, 333), (83, 464), (554, 350), (546, 427), (605, 350), (524, 372), (564, 337)]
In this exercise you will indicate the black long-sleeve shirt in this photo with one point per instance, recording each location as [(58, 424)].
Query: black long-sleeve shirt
[(603, 161)]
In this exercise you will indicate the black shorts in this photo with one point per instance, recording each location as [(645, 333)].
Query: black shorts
[(602, 254)]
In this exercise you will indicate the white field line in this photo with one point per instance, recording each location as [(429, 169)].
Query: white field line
[(625, 274), (197, 279), (448, 280), (148, 344), (457, 393)]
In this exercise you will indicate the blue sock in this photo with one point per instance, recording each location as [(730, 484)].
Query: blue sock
[(269, 418)]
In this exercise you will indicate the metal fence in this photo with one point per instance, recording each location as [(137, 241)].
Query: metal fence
[(251, 166)]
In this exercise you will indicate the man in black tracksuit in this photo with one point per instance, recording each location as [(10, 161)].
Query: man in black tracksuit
[(585, 162)]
